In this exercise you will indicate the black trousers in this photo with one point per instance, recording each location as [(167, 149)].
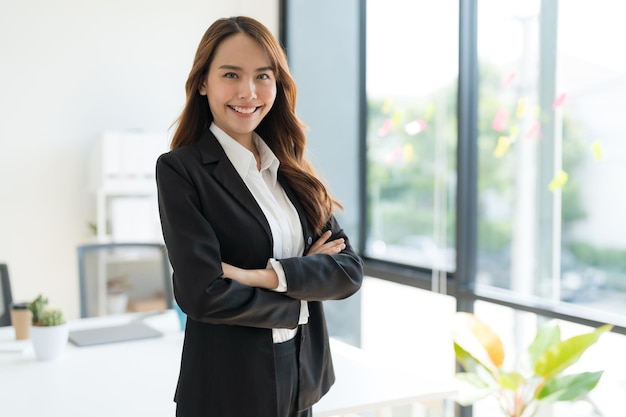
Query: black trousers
[(286, 354), (286, 364)]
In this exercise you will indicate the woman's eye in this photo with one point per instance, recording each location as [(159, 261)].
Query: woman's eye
[(230, 75), (264, 77)]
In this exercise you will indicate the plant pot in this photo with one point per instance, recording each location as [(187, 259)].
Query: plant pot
[(49, 341)]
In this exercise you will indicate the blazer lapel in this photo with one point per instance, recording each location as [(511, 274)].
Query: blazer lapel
[(214, 157)]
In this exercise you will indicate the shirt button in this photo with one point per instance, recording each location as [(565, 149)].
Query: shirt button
[(309, 240)]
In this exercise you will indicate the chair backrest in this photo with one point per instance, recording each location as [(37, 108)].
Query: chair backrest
[(5, 296), (138, 274)]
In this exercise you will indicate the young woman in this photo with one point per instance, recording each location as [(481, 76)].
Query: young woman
[(251, 235)]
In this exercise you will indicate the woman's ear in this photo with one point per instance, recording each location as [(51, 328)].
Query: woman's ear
[(202, 88)]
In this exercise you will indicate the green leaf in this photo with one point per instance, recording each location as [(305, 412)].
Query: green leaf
[(564, 354), (547, 336), (511, 380), (466, 360), (569, 387)]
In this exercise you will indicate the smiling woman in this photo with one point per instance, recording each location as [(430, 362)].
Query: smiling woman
[(251, 235)]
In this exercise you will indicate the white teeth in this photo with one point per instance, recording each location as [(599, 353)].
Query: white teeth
[(244, 110)]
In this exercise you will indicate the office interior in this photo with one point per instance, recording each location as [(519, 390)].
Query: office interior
[(476, 147)]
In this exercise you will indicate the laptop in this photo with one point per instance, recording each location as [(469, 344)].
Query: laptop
[(135, 330)]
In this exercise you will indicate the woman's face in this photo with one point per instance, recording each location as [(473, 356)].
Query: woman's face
[(240, 86)]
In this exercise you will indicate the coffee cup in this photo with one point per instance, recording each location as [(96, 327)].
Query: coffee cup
[(21, 318)]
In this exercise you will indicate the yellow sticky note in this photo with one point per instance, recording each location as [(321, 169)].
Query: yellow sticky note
[(559, 180), (536, 111), (397, 117), (502, 146), (521, 107), (387, 105), (430, 111), (409, 152), (597, 150), (513, 133)]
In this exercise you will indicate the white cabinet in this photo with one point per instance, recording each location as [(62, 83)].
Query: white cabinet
[(123, 182)]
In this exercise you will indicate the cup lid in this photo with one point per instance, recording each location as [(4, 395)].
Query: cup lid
[(19, 306)]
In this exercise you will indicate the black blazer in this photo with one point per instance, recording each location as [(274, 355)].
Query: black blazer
[(208, 215)]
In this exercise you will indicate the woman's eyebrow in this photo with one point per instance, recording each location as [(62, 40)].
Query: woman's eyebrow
[(237, 68)]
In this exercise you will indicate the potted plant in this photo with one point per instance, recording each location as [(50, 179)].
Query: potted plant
[(117, 297), (49, 331), (539, 376)]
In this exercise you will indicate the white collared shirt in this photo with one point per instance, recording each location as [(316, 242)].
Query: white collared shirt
[(278, 210)]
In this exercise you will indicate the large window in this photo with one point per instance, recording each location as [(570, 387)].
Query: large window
[(412, 69), (550, 141), (488, 142)]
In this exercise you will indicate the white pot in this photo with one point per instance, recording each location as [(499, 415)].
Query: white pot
[(117, 303), (49, 341)]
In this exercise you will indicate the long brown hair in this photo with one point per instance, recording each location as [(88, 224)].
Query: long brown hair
[(281, 128)]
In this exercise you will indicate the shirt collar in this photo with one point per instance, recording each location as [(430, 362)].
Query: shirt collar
[(242, 159)]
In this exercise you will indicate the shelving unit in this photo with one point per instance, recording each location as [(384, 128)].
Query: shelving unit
[(123, 184)]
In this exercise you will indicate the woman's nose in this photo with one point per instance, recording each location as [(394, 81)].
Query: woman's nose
[(247, 90)]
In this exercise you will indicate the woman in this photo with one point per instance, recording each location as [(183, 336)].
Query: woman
[(251, 235)]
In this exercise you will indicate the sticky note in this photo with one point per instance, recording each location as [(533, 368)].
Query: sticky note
[(499, 121), (387, 105), (558, 102), (385, 128), (430, 111), (559, 181), (503, 145), (533, 131), (509, 80), (521, 107), (597, 150), (409, 152)]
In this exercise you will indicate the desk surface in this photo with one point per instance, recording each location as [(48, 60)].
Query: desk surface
[(138, 378)]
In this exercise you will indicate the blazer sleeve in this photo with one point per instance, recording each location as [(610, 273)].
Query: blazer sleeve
[(194, 253), (322, 277)]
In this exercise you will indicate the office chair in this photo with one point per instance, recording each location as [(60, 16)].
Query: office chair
[(140, 270), (5, 296)]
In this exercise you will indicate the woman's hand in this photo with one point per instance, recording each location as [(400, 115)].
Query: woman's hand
[(261, 278), (328, 248)]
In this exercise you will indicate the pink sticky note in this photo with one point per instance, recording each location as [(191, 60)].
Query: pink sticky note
[(500, 119), (509, 80), (559, 101), (394, 157), (533, 131), (385, 128)]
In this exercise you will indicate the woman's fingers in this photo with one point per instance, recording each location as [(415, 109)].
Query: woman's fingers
[(329, 248)]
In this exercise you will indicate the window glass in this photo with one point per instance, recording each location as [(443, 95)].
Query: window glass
[(412, 68), (550, 144)]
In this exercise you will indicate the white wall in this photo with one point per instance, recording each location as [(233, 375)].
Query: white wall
[(69, 70)]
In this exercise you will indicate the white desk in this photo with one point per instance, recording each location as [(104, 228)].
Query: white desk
[(138, 378)]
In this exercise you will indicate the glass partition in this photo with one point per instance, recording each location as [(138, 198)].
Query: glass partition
[(550, 142), (412, 70)]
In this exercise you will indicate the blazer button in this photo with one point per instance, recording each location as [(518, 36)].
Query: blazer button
[(309, 240)]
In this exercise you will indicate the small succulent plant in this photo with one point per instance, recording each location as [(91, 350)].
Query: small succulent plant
[(43, 315), (51, 317)]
